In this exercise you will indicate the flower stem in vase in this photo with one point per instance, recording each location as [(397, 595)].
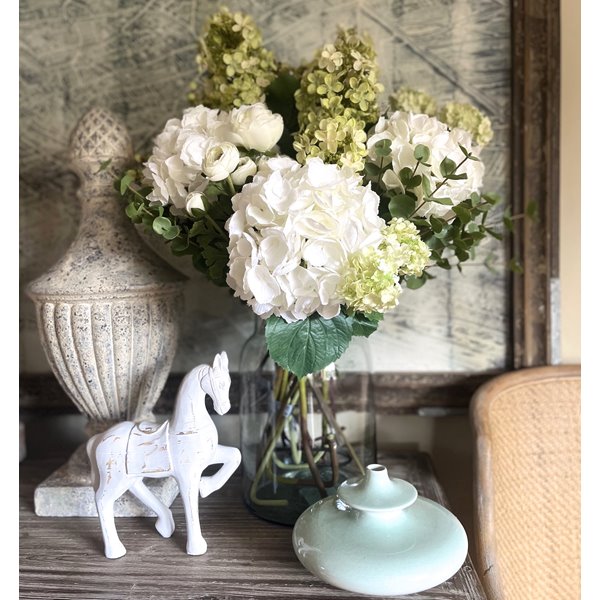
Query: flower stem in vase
[(307, 442), (301, 453)]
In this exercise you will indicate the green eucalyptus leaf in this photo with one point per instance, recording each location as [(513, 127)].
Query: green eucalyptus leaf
[(172, 232), (414, 283), (462, 254), (421, 153), (402, 205), (426, 182), (437, 224), (371, 169), (442, 200), (307, 346), (462, 213), (493, 233), (180, 245), (383, 147), (198, 228), (126, 181), (456, 176), (447, 167), (104, 165), (414, 181), (132, 210), (148, 220), (491, 198), (161, 225), (435, 243), (364, 325), (405, 175), (508, 224)]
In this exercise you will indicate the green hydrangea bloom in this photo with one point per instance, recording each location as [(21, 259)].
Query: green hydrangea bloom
[(405, 247), (235, 67), (415, 101), (467, 117), (372, 281), (337, 101)]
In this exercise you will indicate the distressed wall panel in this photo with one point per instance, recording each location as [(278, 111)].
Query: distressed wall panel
[(136, 57)]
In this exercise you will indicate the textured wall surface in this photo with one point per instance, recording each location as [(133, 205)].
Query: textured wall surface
[(136, 57)]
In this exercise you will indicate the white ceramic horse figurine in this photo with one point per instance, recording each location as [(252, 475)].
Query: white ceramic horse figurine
[(182, 447)]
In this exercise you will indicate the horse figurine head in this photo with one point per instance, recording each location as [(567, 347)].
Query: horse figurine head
[(216, 381)]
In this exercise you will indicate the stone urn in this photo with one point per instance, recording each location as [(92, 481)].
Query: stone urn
[(108, 311)]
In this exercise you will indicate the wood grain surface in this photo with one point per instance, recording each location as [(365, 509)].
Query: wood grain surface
[(247, 558)]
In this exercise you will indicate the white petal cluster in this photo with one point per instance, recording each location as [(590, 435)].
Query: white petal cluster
[(406, 130), (292, 233), (204, 145)]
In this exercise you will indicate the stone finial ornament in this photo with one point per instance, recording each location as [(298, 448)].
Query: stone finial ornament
[(181, 448), (108, 310)]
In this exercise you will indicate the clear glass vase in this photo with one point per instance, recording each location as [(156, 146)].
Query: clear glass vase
[(300, 438)]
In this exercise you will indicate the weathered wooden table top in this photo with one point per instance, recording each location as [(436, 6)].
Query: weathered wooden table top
[(247, 558)]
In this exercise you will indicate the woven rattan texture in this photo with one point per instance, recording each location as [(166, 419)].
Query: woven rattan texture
[(534, 434)]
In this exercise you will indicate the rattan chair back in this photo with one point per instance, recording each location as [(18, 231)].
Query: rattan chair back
[(527, 484)]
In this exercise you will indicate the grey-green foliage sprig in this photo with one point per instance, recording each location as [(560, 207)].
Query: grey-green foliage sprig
[(200, 234), (453, 239)]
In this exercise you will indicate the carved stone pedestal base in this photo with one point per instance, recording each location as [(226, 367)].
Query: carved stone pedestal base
[(68, 492)]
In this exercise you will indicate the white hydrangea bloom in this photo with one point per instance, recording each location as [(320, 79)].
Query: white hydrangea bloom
[(292, 233), (406, 130)]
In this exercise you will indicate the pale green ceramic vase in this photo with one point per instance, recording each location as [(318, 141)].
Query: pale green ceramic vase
[(378, 537)]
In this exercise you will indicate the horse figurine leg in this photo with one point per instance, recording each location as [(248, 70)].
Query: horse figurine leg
[(189, 482), (109, 482), (165, 524), (107, 452), (230, 458)]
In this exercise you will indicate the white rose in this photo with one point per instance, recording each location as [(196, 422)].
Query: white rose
[(203, 120), (246, 168), (220, 161), (194, 149), (255, 127)]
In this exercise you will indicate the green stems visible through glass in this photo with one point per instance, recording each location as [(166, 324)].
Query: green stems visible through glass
[(290, 426)]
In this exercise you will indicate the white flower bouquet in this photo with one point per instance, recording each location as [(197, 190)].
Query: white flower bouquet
[(295, 189), (314, 204)]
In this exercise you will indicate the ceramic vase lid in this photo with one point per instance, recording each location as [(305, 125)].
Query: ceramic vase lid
[(377, 536)]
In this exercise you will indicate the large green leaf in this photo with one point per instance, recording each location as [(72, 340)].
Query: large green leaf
[(310, 345), (364, 325)]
